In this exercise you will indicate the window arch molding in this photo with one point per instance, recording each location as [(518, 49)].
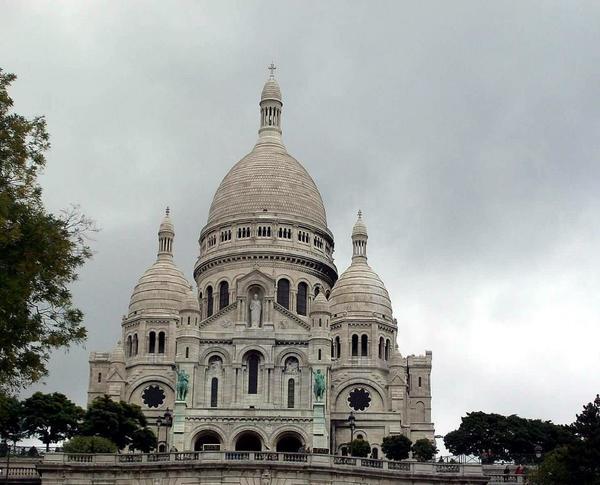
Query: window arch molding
[(214, 351), (282, 356)]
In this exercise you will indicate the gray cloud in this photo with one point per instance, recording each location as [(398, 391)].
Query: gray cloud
[(467, 132)]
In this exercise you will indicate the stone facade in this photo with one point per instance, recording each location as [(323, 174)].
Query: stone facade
[(268, 322)]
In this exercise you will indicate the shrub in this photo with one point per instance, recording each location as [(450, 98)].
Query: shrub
[(89, 444)]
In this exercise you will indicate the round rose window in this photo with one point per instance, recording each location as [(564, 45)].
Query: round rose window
[(153, 396), (359, 399)]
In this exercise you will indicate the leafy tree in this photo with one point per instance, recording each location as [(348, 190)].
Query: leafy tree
[(89, 444), (494, 437), (51, 417), (396, 447), (360, 448), (39, 254), (144, 440), (11, 420), (583, 456), (424, 450), (117, 421)]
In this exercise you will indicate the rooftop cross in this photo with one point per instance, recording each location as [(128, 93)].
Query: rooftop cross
[(272, 69), (167, 211)]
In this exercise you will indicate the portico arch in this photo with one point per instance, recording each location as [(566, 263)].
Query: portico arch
[(207, 437), (289, 442), (248, 441)]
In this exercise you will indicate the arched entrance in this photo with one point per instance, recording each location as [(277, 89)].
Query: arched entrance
[(207, 438), (248, 441), (290, 443)]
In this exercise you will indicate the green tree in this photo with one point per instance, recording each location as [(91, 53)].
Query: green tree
[(583, 457), (424, 450), (396, 447), (11, 419), (51, 417), (360, 448), (40, 254), (117, 421), (89, 444), (143, 440)]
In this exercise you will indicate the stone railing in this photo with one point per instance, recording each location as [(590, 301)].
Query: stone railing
[(228, 458)]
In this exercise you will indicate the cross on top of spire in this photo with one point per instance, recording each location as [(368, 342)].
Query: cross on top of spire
[(272, 68), (167, 211)]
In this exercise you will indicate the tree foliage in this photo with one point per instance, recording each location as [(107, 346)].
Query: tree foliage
[(89, 444), (360, 448), (51, 417), (396, 447), (39, 254), (143, 440), (424, 450), (11, 419), (116, 421), (494, 437)]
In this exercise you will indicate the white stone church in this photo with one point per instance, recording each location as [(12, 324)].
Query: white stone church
[(267, 315)]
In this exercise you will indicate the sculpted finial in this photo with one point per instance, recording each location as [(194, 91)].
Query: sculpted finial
[(167, 211), (272, 69)]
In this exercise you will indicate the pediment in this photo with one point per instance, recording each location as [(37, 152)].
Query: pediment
[(258, 278), (115, 376), (282, 315)]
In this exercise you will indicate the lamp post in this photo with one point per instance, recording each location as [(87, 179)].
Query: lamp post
[(538, 451), (352, 421), (166, 420)]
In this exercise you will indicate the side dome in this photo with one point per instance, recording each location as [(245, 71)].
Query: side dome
[(359, 291), (190, 303), (163, 288)]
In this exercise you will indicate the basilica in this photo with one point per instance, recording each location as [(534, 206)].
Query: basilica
[(270, 349)]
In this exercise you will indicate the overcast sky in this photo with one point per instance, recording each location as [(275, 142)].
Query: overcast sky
[(467, 132)]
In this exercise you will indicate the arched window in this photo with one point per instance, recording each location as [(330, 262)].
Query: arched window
[(291, 393), (317, 290), (100, 377), (301, 298), (187, 352), (364, 345), (129, 350), (320, 354), (151, 342), (135, 344), (381, 347), (214, 392), (354, 345), (332, 350), (161, 342), (253, 361), (374, 453), (223, 294), (209, 301), (283, 293), (338, 347), (387, 349)]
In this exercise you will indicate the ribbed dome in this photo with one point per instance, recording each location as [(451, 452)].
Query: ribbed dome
[(271, 90), (191, 302), (320, 304), (268, 181), (162, 289), (360, 292)]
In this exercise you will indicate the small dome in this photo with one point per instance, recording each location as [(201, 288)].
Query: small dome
[(271, 90), (190, 303), (359, 229), (360, 292), (162, 289), (320, 304), (166, 224)]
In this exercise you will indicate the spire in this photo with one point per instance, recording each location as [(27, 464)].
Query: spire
[(270, 107), (359, 239), (166, 234)]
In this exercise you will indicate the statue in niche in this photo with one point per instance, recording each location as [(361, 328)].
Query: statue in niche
[(255, 311), (291, 366), (215, 364)]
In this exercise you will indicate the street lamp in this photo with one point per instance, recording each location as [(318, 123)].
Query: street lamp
[(538, 451), (351, 420), (166, 420)]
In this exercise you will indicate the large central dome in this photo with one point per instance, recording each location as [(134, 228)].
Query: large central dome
[(268, 180)]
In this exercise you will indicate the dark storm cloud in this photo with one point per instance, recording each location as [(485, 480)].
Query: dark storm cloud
[(468, 132)]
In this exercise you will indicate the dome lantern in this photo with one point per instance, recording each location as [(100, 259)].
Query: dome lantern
[(166, 234), (359, 238), (270, 107)]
